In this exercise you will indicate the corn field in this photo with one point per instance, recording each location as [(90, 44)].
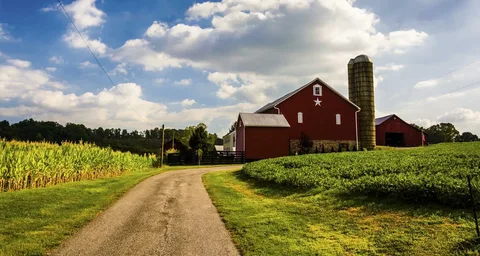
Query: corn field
[(40, 164)]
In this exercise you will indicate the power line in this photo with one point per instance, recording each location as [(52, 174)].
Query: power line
[(98, 62), (455, 70)]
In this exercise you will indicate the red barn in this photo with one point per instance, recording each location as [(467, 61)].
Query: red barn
[(315, 111), (393, 131)]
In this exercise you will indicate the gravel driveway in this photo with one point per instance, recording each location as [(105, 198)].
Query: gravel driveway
[(168, 214)]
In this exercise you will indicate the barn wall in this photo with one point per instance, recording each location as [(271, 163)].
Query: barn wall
[(240, 133), (266, 142), (413, 137), (319, 122)]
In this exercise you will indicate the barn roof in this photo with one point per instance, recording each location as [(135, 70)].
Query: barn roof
[(380, 120), (288, 95), (264, 120)]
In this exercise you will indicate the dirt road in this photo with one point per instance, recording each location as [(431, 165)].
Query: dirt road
[(168, 214)]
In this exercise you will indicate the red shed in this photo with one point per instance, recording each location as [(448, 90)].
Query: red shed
[(262, 135), (316, 110), (393, 131)]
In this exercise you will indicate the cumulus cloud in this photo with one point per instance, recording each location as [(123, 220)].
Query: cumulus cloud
[(157, 29), (243, 87), (120, 69), (18, 79), (51, 69), (19, 63), (85, 14), (56, 59), (187, 102), (460, 115), (268, 38), (184, 82), (139, 51), (75, 41)]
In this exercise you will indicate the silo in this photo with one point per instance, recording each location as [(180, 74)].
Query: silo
[(361, 92)]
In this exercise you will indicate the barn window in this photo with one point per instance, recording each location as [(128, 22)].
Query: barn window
[(339, 119), (239, 123), (300, 117), (317, 90)]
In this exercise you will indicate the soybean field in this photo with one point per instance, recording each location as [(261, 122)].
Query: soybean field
[(433, 174), (40, 164)]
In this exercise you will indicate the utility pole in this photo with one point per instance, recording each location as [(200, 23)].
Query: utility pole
[(163, 140)]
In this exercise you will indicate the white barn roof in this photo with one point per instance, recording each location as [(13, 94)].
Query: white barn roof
[(264, 120)]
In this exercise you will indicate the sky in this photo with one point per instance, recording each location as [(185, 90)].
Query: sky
[(180, 63)]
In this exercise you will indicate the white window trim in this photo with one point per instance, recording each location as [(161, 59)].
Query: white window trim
[(320, 88), (300, 117), (338, 119)]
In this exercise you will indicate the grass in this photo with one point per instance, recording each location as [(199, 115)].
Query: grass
[(36, 220), (271, 219)]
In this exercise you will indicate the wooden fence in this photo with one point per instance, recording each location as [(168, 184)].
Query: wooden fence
[(210, 158)]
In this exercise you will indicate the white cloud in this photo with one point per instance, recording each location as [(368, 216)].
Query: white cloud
[(19, 63), (424, 122), (87, 64), (250, 37), (138, 51), (377, 80), (16, 81), (461, 115), (120, 69), (446, 96), (85, 14), (160, 80), (157, 29), (75, 41), (51, 8), (4, 34), (187, 102), (184, 82), (51, 69), (206, 9), (389, 67), (56, 59), (426, 84)]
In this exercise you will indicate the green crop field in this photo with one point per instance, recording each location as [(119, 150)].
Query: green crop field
[(385, 202), (434, 174), (31, 164)]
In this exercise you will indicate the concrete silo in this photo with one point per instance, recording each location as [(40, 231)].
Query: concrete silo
[(361, 92)]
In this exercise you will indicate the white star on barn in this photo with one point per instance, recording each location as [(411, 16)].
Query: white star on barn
[(317, 102)]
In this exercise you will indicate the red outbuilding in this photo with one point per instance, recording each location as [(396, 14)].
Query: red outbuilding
[(393, 131), (315, 111)]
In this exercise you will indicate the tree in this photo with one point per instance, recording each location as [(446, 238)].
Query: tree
[(443, 132), (233, 127), (466, 137), (418, 127), (199, 138)]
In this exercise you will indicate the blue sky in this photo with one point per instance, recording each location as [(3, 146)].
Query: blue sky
[(181, 62)]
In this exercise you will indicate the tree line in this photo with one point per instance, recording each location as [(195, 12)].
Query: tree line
[(139, 142), (446, 132)]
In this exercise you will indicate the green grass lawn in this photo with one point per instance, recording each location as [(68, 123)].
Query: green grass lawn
[(35, 220), (269, 219)]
